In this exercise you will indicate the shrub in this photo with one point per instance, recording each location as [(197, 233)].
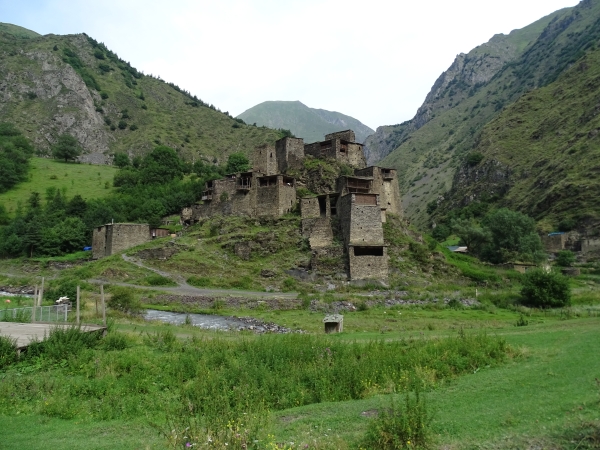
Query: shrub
[(199, 281), (62, 342), (289, 284), (115, 341), (474, 158), (133, 127), (159, 280), (543, 289), (565, 258), (65, 287), (104, 96), (123, 299), (400, 427), (8, 351), (566, 224), (122, 124)]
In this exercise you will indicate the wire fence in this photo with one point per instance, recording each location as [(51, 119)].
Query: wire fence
[(54, 313)]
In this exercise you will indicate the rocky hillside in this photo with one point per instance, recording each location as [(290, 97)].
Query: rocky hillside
[(541, 155), (430, 148), (52, 84), (308, 123)]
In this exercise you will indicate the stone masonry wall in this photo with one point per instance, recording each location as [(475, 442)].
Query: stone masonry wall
[(355, 156), (361, 224), (267, 201), (309, 208), (318, 231), (387, 189), (368, 267), (346, 135), (264, 160), (99, 242), (286, 199), (554, 244), (126, 235), (289, 154)]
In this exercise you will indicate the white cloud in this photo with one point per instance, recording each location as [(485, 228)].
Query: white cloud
[(372, 60)]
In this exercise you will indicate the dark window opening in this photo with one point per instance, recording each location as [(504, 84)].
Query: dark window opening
[(368, 251), (267, 181), (322, 206)]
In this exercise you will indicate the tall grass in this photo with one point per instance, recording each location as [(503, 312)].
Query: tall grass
[(216, 383)]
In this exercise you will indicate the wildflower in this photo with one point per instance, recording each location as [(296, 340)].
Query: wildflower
[(187, 444), (7, 300)]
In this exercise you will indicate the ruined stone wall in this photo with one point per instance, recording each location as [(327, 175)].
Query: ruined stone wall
[(286, 199), (321, 150), (555, 243), (267, 201), (99, 242), (346, 135), (122, 236), (590, 245), (289, 154), (355, 156), (329, 261), (309, 208), (318, 231), (366, 267), (264, 160)]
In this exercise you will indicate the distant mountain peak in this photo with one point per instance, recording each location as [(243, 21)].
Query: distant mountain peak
[(311, 124)]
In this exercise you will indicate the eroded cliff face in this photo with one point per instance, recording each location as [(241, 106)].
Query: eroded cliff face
[(467, 73), (49, 98), (491, 179)]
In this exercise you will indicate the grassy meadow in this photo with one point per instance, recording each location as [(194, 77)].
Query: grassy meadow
[(89, 181), (488, 383)]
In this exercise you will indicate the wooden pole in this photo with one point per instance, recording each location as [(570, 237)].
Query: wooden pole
[(35, 296), (103, 305), (77, 305), (96, 299), (41, 293)]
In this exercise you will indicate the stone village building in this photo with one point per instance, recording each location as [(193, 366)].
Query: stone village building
[(358, 206), (115, 237)]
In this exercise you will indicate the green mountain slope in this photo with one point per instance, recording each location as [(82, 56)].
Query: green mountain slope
[(55, 84), (428, 157), (542, 154), (17, 31), (308, 123)]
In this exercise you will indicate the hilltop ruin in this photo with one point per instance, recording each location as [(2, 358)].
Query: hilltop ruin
[(355, 209)]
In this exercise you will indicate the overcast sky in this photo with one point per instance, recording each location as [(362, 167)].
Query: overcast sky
[(374, 60)]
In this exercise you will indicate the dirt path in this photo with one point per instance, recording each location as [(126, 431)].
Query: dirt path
[(183, 288), (192, 291)]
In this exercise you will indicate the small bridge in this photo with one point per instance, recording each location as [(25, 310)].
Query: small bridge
[(25, 333)]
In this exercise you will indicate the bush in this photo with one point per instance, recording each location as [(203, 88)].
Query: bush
[(115, 341), (159, 280), (542, 289), (62, 342), (8, 351), (566, 225), (199, 281), (400, 427), (66, 287), (123, 299), (474, 158), (565, 258)]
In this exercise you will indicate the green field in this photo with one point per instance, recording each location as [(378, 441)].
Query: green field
[(89, 181), (541, 390)]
